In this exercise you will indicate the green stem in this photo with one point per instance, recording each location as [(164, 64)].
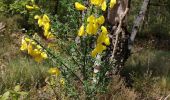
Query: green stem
[(84, 58), (74, 60)]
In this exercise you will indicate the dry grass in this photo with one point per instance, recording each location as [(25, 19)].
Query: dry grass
[(118, 91)]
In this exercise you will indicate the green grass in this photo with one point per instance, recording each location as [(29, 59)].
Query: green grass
[(157, 61), (25, 72), (148, 72)]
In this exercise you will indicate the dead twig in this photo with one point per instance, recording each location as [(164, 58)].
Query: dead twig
[(118, 31), (2, 26), (166, 98)]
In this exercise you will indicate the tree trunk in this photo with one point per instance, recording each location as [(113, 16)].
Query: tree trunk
[(138, 22), (121, 39)]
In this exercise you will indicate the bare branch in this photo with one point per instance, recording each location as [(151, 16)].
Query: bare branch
[(118, 30)]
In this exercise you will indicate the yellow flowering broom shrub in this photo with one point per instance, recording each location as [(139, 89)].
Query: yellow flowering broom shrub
[(75, 63)]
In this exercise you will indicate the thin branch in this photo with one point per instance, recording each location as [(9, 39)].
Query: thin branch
[(166, 98), (119, 29)]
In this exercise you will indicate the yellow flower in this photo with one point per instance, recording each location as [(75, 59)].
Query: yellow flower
[(89, 28), (54, 71), (104, 6), (62, 82), (30, 49), (101, 3), (38, 58), (112, 3), (103, 37), (104, 30), (96, 2), (27, 39), (36, 17), (101, 20), (99, 48), (39, 47), (34, 52), (34, 7), (79, 6), (33, 42), (24, 45), (107, 41), (38, 55), (33, 49), (44, 55), (43, 21), (46, 26), (50, 36), (46, 33), (46, 19), (94, 53), (81, 31), (29, 7), (92, 25), (95, 28), (40, 22), (91, 19)]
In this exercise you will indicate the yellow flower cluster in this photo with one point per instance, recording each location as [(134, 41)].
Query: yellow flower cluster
[(100, 3), (102, 42), (33, 6), (33, 49), (54, 71), (94, 23), (44, 22), (112, 3), (92, 26)]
